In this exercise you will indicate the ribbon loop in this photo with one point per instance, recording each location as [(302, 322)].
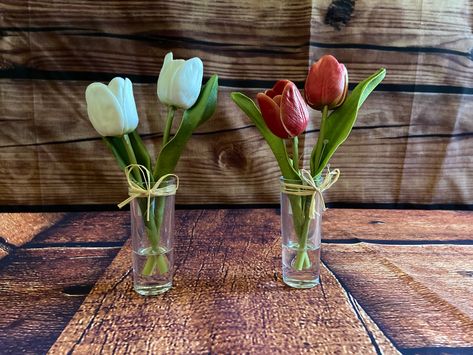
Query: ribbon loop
[(309, 188), (145, 189)]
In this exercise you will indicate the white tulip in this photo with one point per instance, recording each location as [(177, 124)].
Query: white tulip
[(112, 108), (180, 81)]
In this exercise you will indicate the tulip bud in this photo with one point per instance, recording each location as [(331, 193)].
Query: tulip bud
[(112, 109), (326, 83), (283, 109), (180, 81)]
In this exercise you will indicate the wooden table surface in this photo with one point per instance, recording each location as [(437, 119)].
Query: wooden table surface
[(392, 281)]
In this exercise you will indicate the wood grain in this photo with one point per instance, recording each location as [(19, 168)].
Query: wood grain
[(219, 304), (416, 294), (227, 161), (41, 289), (17, 229), (56, 52), (405, 284), (44, 281), (396, 226), (412, 143), (401, 22)]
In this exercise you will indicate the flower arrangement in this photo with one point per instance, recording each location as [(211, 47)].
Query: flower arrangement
[(282, 116), (112, 111)]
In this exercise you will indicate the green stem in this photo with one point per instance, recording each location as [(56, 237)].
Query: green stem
[(132, 157), (167, 129), (320, 140), (157, 260), (302, 259), (295, 153)]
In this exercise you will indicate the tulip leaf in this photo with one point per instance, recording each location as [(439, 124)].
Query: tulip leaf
[(141, 153), (339, 123), (192, 118), (275, 143), (118, 150)]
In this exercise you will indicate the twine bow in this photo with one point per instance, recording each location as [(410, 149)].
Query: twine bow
[(310, 188), (145, 189)]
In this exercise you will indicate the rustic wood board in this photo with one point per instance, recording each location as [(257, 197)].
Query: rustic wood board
[(40, 290), (228, 267), (57, 53), (397, 226), (219, 304), (400, 23), (17, 229), (418, 124), (420, 296), (227, 161), (87, 229)]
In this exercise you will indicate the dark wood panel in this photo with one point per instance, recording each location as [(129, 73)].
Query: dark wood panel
[(219, 303), (386, 23), (418, 295), (41, 289), (417, 159)]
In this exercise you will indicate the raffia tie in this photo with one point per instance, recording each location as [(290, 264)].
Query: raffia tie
[(145, 189), (310, 188)]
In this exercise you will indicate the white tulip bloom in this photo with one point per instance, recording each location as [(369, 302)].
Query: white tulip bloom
[(180, 81), (112, 108)]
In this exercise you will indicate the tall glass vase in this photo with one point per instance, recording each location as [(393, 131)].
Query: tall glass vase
[(153, 242), (301, 237)]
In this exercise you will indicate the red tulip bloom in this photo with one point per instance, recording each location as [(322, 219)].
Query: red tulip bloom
[(284, 109), (326, 83)]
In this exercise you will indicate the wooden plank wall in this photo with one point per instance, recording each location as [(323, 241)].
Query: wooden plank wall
[(412, 143)]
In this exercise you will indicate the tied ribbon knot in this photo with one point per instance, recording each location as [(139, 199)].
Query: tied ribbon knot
[(310, 188), (145, 189)]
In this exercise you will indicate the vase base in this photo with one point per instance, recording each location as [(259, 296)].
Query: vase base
[(301, 283), (152, 290)]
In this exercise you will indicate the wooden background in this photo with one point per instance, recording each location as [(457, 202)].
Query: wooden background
[(412, 142)]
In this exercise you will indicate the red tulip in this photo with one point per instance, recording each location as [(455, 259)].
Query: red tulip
[(326, 83), (284, 109)]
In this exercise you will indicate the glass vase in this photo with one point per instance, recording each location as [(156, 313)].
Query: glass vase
[(301, 237), (153, 242)]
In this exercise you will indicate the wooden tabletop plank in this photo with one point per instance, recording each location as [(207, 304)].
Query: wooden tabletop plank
[(41, 289), (17, 229), (420, 296), (398, 226), (228, 296), (83, 228), (405, 284)]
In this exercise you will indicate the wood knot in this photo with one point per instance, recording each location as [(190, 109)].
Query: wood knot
[(339, 13), (231, 158)]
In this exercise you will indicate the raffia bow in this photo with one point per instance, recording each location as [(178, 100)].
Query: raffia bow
[(145, 189), (310, 188)]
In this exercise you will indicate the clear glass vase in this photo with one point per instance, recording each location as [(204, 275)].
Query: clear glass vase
[(153, 242), (301, 238)]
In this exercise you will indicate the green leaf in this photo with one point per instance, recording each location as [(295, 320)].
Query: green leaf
[(192, 118), (118, 150), (141, 153), (275, 143), (340, 122)]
